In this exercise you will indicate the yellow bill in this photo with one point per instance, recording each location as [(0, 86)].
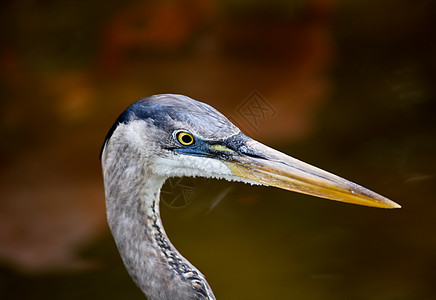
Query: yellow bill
[(270, 167)]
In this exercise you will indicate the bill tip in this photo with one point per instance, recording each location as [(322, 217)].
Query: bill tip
[(392, 205)]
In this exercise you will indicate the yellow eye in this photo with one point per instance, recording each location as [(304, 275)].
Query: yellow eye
[(185, 138)]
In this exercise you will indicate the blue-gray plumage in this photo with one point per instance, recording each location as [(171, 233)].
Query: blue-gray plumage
[(173, 135)]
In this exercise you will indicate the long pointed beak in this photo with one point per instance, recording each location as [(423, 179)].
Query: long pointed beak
[(267, 166)]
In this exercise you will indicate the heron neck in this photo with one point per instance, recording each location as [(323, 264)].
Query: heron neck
[(132, 201)]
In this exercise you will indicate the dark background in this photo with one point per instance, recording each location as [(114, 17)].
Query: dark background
[(345, 85)]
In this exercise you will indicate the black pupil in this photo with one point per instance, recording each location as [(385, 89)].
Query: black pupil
[(186, 139)]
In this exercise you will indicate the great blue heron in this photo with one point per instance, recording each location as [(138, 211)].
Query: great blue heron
[(169, 135)]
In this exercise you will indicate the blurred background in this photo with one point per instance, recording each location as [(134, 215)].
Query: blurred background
[(344, 85)]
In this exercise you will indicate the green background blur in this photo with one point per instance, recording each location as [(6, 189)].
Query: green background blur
[(345, 85)]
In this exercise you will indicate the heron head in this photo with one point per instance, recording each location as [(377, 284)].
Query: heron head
[(178, 136)]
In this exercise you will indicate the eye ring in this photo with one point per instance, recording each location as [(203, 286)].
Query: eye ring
[(184, 138)]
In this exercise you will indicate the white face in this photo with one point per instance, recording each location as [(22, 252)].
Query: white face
[(178, 165), (167, 163)]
